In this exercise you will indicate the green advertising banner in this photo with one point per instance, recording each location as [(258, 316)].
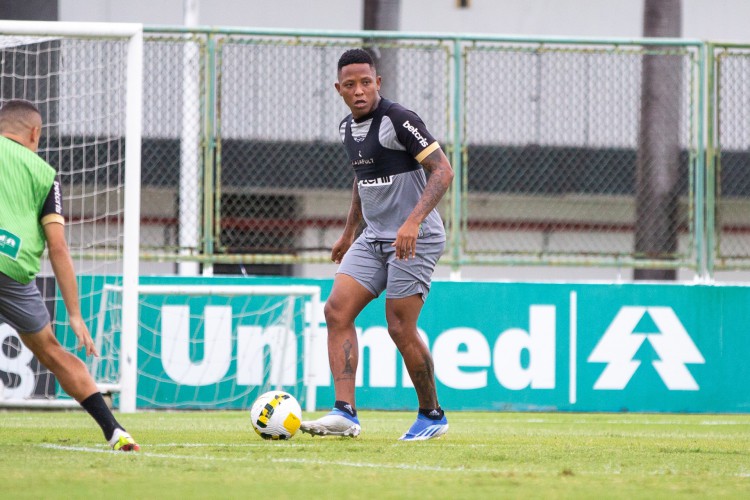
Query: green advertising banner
[(577, 347), (496, 346)]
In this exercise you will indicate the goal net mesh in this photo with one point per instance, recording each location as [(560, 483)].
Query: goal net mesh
[(213, 347), (79, 85)]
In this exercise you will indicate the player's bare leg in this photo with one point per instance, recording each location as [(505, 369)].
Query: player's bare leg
[(346, 301), (70, 371), (402, 315), (75, 380)]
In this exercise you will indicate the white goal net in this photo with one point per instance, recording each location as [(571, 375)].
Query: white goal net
[(86, 80), (213, 346)]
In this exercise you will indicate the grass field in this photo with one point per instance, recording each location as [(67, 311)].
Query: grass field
[(485, 455)]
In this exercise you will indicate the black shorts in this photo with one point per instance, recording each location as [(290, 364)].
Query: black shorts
[(21, 306)]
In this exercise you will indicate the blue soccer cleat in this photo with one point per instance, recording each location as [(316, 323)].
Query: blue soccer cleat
[(425, 428), (336, 423)]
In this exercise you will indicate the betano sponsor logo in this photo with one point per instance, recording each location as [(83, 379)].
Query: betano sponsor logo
[(463, 357)]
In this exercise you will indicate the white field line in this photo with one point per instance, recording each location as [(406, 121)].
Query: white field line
[(413, 467), (87, 449), (421, 468), (540, 420), (259, 444)]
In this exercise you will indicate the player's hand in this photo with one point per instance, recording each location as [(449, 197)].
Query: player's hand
[(84, 337), (340, 248), (406, 240)]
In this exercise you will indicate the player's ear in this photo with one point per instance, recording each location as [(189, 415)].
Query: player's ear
[(378, 80), (34, 136), (338, 87)]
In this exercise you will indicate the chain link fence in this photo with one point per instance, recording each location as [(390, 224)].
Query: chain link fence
[(173, 144), (731, 119), (283, 180), (574, 156), (567, 153)]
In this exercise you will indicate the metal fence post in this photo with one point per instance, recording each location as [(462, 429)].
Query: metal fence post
[(710, 156), (209, 130), (456, 161)]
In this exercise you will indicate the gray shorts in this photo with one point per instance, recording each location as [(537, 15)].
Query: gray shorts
[(21, 306), (374, 265)]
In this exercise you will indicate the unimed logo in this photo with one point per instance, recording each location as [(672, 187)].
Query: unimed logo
[(659, 326), (465, 358)]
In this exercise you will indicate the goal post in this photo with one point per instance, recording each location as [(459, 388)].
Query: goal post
[(212, 346), (87, 81)]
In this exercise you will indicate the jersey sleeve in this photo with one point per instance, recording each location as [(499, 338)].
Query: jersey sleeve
[(52, 209), (412, 133)]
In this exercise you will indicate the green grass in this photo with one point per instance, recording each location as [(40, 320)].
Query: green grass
[(484, 455)]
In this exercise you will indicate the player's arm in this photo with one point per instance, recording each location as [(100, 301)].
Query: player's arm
[(353, 220), (413, 134), (53, 223), (62, 265), (440, 179)]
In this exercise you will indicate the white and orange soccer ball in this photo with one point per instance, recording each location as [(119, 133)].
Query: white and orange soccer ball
[(276, 415)]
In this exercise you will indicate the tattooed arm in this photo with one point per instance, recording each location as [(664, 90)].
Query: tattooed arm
[(352, 223), (441, 177)]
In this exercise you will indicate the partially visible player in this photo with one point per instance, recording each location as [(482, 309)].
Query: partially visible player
[(389, 148), (31, 214)]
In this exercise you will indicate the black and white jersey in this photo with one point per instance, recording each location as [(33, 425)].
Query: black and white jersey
[(385, 148)]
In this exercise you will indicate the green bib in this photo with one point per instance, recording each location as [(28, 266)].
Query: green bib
[(25, 182)]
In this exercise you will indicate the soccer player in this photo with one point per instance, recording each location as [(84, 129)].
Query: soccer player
[(389, 148), (31, 214)]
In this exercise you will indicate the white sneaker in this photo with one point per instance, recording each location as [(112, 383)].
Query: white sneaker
[(336, 423)]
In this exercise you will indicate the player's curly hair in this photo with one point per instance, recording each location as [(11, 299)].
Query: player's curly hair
[(355, 56)]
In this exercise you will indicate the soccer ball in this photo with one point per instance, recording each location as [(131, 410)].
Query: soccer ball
[(276, 415)]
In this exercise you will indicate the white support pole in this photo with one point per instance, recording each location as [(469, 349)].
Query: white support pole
[(131, 237), (190, 199), (310, 381)]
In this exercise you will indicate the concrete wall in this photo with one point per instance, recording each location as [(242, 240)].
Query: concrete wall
[(708, 19)]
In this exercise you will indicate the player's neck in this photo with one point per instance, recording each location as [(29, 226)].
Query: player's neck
[(15, 138), (369, 113)]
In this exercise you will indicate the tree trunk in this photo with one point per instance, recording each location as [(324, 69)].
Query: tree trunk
[(383, 15), (656, 226)]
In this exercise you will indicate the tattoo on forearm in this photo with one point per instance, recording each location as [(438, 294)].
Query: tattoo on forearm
[(441, 176), (348, 357)]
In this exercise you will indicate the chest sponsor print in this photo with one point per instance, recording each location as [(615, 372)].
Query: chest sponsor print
[(378, 181), (10, 244)]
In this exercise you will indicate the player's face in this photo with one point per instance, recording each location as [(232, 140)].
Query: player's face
[(359, 85)]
